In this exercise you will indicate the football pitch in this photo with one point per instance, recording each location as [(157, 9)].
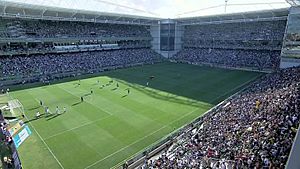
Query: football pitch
[(111, 125)]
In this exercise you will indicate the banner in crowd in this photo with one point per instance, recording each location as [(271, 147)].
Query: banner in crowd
[(21, 136), (15, 128)]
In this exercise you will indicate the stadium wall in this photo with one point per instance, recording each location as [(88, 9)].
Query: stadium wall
[(154, 31), (290, 53), (293, 161), (156, 43)]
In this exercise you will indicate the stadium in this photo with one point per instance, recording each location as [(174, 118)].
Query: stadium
[(150, 84)]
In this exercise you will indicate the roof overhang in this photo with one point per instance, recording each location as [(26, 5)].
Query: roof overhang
[(275, 14), (23, 10)]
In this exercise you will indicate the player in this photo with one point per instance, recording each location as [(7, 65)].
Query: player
[(117, 85), (2, 91), (57, 110), (65, 109), (38, 115), (41, 103), (92, 91), (128, 91), (147, 84), (81, 98), (47, 111), (98, 81), (7, 90)]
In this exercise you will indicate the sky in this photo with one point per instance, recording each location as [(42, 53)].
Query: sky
[(164, 8)]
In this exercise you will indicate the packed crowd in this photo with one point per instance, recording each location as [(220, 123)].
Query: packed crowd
[(258, 30), (22, 48), (254, 44), (258, 59), (31, 48), (234, 44), (6, 144), (254, 129), (86, 62), (63, 29)]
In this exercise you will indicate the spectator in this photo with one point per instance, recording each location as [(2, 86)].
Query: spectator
[(240, 135)]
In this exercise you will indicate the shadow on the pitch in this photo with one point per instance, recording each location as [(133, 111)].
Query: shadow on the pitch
[(53, 117), (124, 95), (34, 119), (34, 108), (114, 89), (158, 95), (76, 103), (49, 115), (87, 94)]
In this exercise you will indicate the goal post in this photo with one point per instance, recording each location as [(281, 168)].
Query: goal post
[(16, 107)]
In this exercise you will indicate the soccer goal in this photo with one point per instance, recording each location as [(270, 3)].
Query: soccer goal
[(16, 108), (10, 107)]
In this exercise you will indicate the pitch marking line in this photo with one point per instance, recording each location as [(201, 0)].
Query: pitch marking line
[(74, 128), (129, 145), (45, 143)]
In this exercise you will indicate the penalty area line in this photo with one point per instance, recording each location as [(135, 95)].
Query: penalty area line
[(74, 128), (45, 143)]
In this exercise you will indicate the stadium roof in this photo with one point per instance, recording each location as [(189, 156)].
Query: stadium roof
[(278, 14), (142, 11), (23, 10), (164, 8)]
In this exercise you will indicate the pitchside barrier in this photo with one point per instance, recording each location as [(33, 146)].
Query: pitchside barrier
[(156, 148)]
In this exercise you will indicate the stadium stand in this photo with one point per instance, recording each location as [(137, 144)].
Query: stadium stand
[(42, 36), (259, 59), (9, 156), (63, 29), (254, 129), (49, 66), (254, 44)]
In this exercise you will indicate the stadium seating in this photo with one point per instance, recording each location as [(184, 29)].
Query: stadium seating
[(239, 58), (46, 66), (60, 29), (244, 44), (258, 30), (254, 129)]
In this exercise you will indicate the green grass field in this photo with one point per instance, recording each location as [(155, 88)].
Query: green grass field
[(111, 126)]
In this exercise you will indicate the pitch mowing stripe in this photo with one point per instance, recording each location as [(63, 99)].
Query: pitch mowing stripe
[(45, 143), (129, 145), (74, 128), (87, 102), (232, 90), (44, 106)]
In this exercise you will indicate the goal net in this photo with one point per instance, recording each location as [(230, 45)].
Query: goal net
[(10, 107), (16, 108)]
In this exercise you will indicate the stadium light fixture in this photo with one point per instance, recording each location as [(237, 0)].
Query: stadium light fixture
[(226, 1)]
